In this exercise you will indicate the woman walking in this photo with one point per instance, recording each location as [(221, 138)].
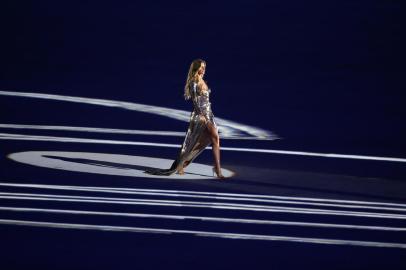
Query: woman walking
[(202, 130)]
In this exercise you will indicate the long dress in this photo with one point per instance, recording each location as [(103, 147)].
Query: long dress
[(197, 137)]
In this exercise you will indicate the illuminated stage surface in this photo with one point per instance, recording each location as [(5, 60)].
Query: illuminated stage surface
[(69, 194)]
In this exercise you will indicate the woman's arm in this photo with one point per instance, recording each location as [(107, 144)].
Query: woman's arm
[(202, 111)]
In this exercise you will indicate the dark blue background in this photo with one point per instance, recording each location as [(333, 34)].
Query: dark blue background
[(324, 75)]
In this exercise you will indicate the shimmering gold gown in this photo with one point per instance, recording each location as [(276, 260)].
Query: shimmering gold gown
[(197, 137)]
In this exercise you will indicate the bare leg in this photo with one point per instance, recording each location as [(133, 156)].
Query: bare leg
[(215, 139)]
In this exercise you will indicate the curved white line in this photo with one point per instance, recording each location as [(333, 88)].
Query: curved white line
[(277, 201), (230, 206), (202, 233), (204, 218), (226, 127), (12, 136)]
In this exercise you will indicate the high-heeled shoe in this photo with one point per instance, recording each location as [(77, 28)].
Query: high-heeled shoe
[(219, 175)]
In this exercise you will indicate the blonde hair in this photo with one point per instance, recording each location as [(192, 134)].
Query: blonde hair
[(192, 76)]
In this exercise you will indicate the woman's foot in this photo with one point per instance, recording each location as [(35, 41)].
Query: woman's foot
[(218, 173), (180, 170)]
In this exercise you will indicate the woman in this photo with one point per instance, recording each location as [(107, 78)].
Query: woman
[(202, 130)]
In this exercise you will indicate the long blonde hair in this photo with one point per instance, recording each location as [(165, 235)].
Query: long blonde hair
[(192, 76)]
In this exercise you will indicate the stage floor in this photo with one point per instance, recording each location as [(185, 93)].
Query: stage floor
[(76, 198)]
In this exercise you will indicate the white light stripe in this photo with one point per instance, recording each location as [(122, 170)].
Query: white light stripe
[(237, 195), (300, 153), (117, 131), (204, 218), (202, 233), (226, 127), (99, 130), (229, 206), (278, 201), (12, 136)]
